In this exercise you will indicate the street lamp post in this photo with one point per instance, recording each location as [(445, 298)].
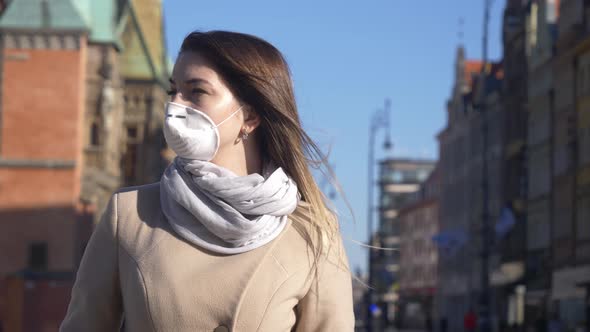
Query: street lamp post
[(485, 298), (379, 120)]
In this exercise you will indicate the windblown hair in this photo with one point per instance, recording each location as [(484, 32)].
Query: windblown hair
[(259, 76)]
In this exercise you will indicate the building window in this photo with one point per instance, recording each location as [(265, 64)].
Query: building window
[(423, 174), (94, 134), (133, 135), (129, 163), (390, 175), (132, 132), (38, 256), (385, 200)]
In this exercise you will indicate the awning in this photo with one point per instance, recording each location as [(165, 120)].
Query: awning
[(507, 273)]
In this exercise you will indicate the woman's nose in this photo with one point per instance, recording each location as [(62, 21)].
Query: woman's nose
[(178, 99)]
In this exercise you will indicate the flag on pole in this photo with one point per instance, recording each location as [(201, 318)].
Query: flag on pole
[(505, 222), (450, 240)]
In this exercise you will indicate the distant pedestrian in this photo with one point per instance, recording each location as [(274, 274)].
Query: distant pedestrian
[(470, 321), (581, 328), (428, 323), (541, 324), (444, 325), (555, 324), (503, 326)]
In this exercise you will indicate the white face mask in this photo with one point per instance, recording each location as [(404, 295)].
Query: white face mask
[(191, 133)]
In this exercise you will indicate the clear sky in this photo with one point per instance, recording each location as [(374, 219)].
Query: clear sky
[(346, 57)]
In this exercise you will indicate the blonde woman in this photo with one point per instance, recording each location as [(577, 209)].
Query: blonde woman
[(236, 236)]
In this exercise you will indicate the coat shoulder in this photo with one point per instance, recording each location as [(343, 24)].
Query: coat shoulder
[(139, 202), (140, 219)]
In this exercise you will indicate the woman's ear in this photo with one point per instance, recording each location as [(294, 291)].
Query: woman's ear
[(251, 119)]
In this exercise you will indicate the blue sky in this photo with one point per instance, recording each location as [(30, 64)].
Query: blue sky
[(346, 57)]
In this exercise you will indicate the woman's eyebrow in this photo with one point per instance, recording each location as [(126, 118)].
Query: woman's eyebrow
[(192, 81)]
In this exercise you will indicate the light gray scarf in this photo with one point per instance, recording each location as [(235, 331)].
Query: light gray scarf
[(215, 209)]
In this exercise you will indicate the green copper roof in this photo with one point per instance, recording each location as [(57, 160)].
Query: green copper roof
[(97, 16), (134, 26), (42, 14), (144, 53), (135, 60), (101, 17)]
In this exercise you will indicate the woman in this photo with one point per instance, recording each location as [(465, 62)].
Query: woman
[(236, 236)]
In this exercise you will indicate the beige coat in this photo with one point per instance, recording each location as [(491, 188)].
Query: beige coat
[(135, 266)]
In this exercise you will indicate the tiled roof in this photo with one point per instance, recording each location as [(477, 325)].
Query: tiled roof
[(472, 67)]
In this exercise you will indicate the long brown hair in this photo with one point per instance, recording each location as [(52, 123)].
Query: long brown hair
[(259, 76)]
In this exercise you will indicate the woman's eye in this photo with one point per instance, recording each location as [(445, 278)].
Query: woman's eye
[(199, 91)]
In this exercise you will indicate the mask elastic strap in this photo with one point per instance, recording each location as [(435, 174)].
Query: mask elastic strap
[(229, 117)]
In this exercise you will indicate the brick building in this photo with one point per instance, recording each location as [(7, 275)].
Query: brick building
[(41, 134), (38, 300), (80, 103)]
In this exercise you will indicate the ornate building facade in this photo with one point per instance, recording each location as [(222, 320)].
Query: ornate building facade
[(81, 110), (570, 233), (461, 145), (540, 37)]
